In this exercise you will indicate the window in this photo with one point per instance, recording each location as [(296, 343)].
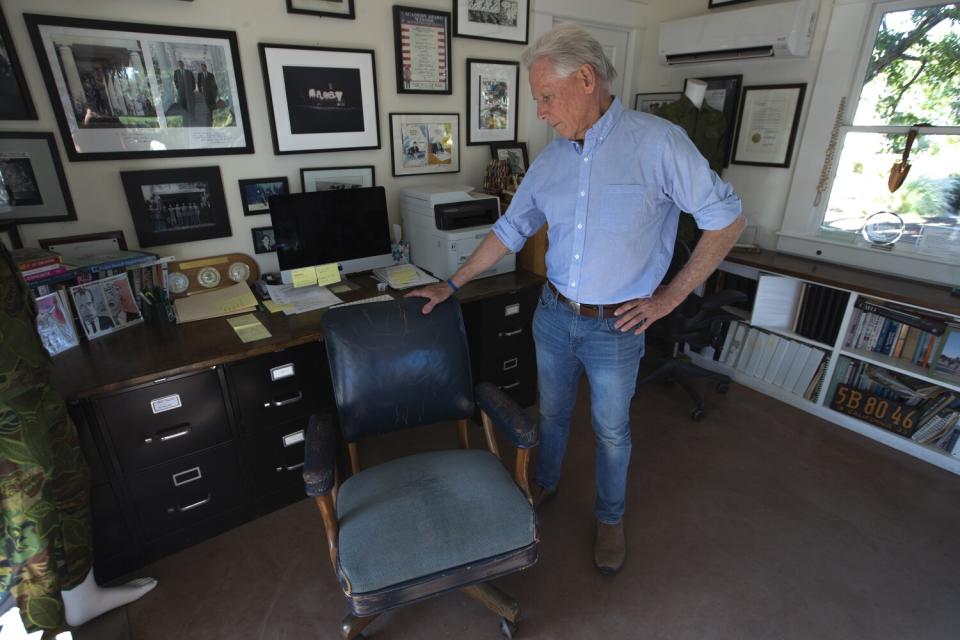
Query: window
[(899, 77)]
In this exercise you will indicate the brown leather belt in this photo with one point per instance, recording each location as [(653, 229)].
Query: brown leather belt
[(589, 310)]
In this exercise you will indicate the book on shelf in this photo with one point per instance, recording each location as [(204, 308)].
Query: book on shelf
[(906, 315), (27, 258), (733, 352), (46, 271), (812, 392), (776, 360), (746, 352), (796, 367), (940, 424), (933, 406)]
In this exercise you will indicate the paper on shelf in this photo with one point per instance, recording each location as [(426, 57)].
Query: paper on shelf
[(217, 303), (249, 328)]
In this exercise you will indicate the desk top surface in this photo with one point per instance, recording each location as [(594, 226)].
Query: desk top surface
[(145, 353)]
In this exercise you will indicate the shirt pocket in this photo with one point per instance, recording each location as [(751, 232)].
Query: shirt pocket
[(622, 207)]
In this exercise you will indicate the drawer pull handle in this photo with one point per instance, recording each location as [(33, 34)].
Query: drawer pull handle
[(512, 385), (199, 503), (509, 334), (169, 434), (190, 475), (292, 467), (282, 403)]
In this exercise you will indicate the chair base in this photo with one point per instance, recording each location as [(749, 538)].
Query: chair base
[(352, 626), (676, 370)]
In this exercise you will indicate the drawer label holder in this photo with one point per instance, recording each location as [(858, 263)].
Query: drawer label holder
[(166, 403)]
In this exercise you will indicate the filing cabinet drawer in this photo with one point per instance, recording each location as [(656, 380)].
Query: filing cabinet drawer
[(181, 493), (509, 312), (277, 387), (166, 420), (274, 456)]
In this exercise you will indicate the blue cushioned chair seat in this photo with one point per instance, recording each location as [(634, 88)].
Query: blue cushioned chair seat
[(426, 513)]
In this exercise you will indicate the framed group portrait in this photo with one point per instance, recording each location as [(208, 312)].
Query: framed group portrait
[(491, 100), (170, 206), (255, 193), (33, 186), (126, 90), (320, 98), (422, 46), (336, 178), (15, 101), (424, 143), (723, 94), (504, 20), (323, 8)]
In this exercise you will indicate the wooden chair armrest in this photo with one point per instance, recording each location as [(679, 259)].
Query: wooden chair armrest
[(319, 455), (498, 410)]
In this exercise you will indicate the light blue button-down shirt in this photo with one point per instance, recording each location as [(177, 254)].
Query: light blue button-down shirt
[(613, 205)]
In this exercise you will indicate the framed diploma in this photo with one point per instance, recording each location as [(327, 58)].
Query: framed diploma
[(767, 124), (422, 39)]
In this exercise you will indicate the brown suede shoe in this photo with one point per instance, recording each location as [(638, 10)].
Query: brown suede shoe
[(541, 496), (610, 550)]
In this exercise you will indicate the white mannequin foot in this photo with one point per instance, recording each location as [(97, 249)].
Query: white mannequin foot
[(87, 600)]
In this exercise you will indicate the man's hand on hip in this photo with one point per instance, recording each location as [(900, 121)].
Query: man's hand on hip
[(435, 293), (639, 314)]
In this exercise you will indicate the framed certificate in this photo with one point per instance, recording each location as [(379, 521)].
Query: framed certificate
[(422, 39), (767, 124)]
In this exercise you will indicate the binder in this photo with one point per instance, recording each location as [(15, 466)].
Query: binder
[(788, 359), (808, 371), (796, 367), (774, 365), (747, 352)]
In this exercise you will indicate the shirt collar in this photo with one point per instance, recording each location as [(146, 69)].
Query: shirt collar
[(602, 127)]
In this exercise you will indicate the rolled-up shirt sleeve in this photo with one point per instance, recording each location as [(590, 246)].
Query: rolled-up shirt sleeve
[(523, 217)]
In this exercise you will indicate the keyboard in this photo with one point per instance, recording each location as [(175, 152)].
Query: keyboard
[(383, 298)]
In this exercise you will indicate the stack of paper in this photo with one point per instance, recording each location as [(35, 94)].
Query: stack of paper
[(295, 299), (215, 304), (403, 276)]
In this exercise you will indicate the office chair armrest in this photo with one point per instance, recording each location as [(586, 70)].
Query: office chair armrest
[(721, 299), (507, 415), (319, 455)]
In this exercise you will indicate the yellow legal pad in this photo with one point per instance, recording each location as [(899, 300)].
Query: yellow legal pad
[(213, 304), (248, 328)]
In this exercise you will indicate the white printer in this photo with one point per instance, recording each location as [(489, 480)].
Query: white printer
[(444, 224)]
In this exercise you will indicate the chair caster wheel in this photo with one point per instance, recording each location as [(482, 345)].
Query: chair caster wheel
[(722, 387), (697, 415), (507, 628)]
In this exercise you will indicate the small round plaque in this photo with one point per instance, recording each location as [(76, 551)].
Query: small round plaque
[(178, 282), (239, 271), (208, 277)]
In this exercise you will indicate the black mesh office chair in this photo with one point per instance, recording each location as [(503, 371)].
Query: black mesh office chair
[(424, 524), (698, 321)]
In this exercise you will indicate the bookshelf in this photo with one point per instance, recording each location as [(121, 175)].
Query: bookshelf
[(879, 356)]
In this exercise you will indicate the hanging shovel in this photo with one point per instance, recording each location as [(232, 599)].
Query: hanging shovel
[(899, 170)]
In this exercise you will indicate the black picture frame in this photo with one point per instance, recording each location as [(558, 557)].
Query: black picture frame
[(9, 235), (335, 178), (714, 4), (764, 140), (424, 143), (31, 167), (514, 153), (15, 100), (492, 96), (323, 8), (320, 119), (421, 47), (730, 86), (650, 102), (492, 20), (170, 206), (204, 106), (255, 193), (264, 240)]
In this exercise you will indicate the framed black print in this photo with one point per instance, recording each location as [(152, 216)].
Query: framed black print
[(125, 90), (323, 8), (255, 193), (767, 124), (491, 100), (337, 178), (15, 101), (264, 240), (723, 94), (33, 186), (422, 49), (170, 206), (504, 20), (320, 99)]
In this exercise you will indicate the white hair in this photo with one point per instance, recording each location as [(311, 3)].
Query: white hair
[(569, 46)]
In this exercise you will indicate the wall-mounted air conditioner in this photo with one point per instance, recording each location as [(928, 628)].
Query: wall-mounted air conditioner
[(773, 30)]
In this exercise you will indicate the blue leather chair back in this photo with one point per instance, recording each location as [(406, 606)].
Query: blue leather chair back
[(393, 367)]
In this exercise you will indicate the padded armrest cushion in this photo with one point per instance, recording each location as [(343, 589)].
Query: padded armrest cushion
[(507, 416), (722, 298), (319, 455)]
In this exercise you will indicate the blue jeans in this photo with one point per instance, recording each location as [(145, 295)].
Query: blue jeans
[(568, 345)]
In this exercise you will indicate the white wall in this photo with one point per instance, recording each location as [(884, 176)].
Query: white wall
[(98, 193)]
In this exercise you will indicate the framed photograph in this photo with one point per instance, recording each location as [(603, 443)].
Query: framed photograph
[(513, 153), (422, 143), (422, 46), (329, 8), (255, 193), (105, 305), (33, 187), (723, 94), (127, 90), (491, 100), (946, 364), (87, 244), (333, 178), (15, 101), (320, 99), (9, 236), (650, 102), (263, 239), (767, 124), (713, 4), (505, 20), (170, 206), (55, 323)]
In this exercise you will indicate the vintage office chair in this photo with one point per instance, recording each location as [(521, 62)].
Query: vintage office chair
[(424, 524), (698, 321)]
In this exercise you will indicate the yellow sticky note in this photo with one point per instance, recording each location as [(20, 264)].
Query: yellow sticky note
[(304, 277), (273, 307), (249, 328), (327, 273), (404, 275)]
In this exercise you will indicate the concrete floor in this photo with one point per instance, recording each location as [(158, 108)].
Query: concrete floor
[(761, 522)]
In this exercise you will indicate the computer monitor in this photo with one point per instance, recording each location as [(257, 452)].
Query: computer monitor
[(347, 226)]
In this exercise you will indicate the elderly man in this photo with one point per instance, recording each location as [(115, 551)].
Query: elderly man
[(611, 190)]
